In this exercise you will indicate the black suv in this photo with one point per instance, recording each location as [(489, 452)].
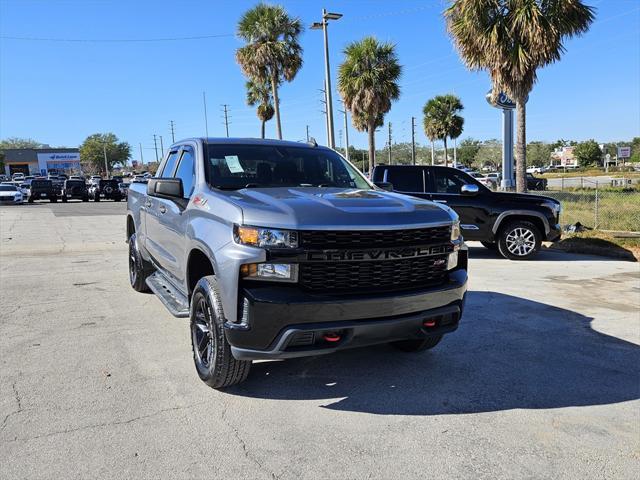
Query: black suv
[(75, 189), (107, 189), (513, 223), (42, 189)]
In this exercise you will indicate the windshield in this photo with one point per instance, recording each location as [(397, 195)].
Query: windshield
[(246, 166), (7, 188), (74, 183), (41, 183)]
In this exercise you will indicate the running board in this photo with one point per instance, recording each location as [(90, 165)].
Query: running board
[(174, 300)]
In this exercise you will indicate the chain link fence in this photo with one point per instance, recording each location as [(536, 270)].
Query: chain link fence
[(599, 209)]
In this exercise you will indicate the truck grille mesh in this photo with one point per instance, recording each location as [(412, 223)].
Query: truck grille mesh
[(368, 276), (326, 240)]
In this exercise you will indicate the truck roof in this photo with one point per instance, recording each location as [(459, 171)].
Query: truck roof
[(248, 141)]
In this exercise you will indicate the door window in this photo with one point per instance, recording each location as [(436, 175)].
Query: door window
[(406, 179), (186, 171), (169, 166), (450, 181)]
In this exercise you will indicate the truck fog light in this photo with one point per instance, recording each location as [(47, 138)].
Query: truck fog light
[(274, 272), (452, 261)]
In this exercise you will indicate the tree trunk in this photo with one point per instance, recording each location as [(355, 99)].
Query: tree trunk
[(433, 154), (521, 145), (276, 105), (372, 147), (262, 129), (446, 154)]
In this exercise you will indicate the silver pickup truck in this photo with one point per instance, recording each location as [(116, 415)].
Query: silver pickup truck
[(280, 249)]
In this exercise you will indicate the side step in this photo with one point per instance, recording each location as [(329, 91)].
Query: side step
[(173, 299)]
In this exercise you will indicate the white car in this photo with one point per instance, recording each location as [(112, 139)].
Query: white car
[(10, 195), (17, 177), (486, 181)]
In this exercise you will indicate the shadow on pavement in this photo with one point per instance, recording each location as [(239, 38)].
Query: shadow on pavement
[(508, 353), (545, 255)]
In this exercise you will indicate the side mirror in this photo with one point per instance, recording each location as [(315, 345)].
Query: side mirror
[(469, 189), (388, 186), (170, 188)]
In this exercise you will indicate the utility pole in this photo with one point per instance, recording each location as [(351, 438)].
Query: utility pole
[(326, 115), (346, 133), (206, 123), (413, 140), (389, 143), (161, 147), (173, 134), (326, 16), (141, 156), (455, 153), (226, 118), (106, 164), (307, 133), (155, 146)]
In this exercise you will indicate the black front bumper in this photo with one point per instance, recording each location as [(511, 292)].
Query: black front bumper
[(285, 322)]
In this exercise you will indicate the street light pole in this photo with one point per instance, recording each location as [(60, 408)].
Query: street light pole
[(326, 16), (106, 165)]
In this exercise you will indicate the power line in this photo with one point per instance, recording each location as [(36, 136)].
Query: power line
[(173, 135)]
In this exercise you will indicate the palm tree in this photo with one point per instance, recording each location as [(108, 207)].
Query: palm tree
[(272, 53), (368, 83), (512, 39), (259, 93), (441, 119)]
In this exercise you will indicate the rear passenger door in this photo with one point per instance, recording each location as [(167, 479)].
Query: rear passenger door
[(407, 180), (444, 186)]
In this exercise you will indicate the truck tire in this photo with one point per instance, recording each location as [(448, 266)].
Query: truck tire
[(64, 199), (212, 356), (139, 268), (519, 240), (417, 345), (53, 200), (85, 199), (30, 200), (96, 198), (490, 245)]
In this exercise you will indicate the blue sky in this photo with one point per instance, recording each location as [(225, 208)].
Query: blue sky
[(58, 92)]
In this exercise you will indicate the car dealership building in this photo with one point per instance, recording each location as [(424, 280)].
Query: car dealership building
[(41, 161)]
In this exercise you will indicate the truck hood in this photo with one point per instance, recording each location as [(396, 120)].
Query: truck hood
[(309, 208)]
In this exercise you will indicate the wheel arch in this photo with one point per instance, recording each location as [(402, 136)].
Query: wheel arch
[(131, 227), (537, 218), (199, 265)]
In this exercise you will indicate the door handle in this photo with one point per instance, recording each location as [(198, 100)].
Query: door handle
[(148, 204), (440, 201), (163, 209)]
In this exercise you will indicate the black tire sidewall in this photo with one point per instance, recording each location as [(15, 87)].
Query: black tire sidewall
[(141, 271), (502, 244)]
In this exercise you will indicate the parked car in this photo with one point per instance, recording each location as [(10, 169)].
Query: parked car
[(25, 189), (535, 183), (495, 176), (484, 180), (124, 189), (17, 177), (105, 189), (42, 189), (10, 194), (75, 189), (280, 249), (94, 179), (515, 224)]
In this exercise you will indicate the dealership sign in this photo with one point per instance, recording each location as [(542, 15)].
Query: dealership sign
[(624, 152), (502, 101), (59, 161)]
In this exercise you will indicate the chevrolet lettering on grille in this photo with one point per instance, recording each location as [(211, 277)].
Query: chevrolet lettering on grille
[(377, 254)]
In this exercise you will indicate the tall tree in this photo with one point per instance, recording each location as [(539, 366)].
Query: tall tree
[(588, 153), (441, 119), (16, 142), (368, 83), (259, 94), (92, 151), (467, 151), (272, 53), (512, 39)]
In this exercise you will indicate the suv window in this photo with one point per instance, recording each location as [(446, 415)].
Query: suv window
[(186, 171), (169, 166), (451, 181), (406, 179)]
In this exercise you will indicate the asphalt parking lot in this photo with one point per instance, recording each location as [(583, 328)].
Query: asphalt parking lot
[(542, 380)]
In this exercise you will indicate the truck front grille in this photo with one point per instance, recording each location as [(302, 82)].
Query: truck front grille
[(324, 240), (373, 276)]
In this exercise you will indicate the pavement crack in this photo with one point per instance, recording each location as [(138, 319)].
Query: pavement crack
[(18, 399), (105, 424)]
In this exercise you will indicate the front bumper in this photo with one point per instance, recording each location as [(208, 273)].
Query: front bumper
[(554, 233), (285, 323)]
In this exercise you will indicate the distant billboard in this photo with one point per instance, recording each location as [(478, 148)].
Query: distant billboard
[(624, 152), (59, 161)]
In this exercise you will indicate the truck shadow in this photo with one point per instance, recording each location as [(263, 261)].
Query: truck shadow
[(508, 353), (545, 255)]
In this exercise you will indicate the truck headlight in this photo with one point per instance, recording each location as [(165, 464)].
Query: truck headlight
[(265, 237), (555, 207), (275, 272), (455, 230)]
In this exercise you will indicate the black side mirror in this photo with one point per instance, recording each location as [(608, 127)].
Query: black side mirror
[(170, 188), (388, 186)]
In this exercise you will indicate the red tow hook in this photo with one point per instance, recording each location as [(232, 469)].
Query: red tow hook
[(331, 337), (429, 323)]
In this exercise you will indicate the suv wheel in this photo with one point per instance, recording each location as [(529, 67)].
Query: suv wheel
[(417, 345), (212, 356), (139, 268), (519, 240)]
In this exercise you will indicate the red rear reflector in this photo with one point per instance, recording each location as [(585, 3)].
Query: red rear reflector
[(429, 323)]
